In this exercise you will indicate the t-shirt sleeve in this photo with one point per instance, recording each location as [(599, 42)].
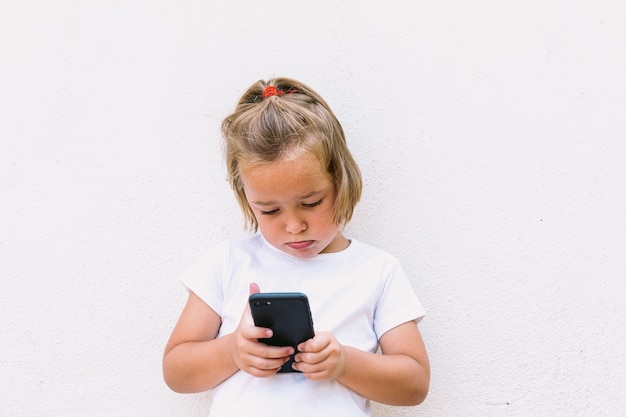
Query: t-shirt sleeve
[(398, 303), (205, 277)]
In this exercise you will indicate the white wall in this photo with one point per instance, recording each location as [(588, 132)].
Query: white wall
[(492, 140)]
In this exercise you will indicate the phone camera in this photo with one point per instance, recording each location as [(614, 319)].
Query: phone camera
[(257, 304)]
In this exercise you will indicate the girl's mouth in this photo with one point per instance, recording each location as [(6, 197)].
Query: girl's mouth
[(305, 244)]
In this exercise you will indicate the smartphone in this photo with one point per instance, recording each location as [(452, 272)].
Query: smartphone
[(288, 315)]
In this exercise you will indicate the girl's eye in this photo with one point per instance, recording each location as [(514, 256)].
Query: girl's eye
[(317, 203), (269, 212)]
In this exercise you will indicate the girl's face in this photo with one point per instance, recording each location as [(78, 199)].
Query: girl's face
[(293, 202)]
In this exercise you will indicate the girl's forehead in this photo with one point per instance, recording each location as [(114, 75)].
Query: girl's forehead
[(298, 176)]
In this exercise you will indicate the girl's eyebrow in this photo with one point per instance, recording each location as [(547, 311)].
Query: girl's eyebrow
[(263, 203), (272, 203), (309, 195)]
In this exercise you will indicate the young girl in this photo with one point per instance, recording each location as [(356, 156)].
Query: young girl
[(297, 183)]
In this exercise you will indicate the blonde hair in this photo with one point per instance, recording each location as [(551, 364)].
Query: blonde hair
[(294, 119)]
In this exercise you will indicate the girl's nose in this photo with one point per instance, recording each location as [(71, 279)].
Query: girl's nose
[(295, 225)]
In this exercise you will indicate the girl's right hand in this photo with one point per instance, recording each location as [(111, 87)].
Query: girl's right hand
[(252, 356)]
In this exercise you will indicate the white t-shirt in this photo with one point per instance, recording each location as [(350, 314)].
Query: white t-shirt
[(358, 294)]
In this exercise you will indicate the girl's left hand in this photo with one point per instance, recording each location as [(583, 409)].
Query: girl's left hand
[(321, 358)]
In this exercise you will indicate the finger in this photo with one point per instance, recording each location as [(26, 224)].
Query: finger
[(311, 358), (265, 369), (268, 359), (263, 366), (254, 289), (315, 344), (247, 316), (271, 352), (253, 332), (309, 368)]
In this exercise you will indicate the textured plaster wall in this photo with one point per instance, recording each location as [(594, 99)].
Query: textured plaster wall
[(492, 138)]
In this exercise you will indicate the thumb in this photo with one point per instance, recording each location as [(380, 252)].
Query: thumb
[(247, 317), (254, 288)]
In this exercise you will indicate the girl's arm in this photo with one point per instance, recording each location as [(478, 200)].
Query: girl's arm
[(400, 376), (196, 360)]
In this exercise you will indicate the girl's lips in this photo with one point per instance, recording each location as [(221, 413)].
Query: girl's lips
[(305, 244)]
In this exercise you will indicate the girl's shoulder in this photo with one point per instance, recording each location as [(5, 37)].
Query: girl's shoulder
[(223, 251), (361, 248), (237, 244)]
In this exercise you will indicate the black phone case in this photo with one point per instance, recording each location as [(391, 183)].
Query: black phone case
[(288, 315)]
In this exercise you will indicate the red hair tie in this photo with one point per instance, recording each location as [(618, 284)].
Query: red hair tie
[(271, 91)]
